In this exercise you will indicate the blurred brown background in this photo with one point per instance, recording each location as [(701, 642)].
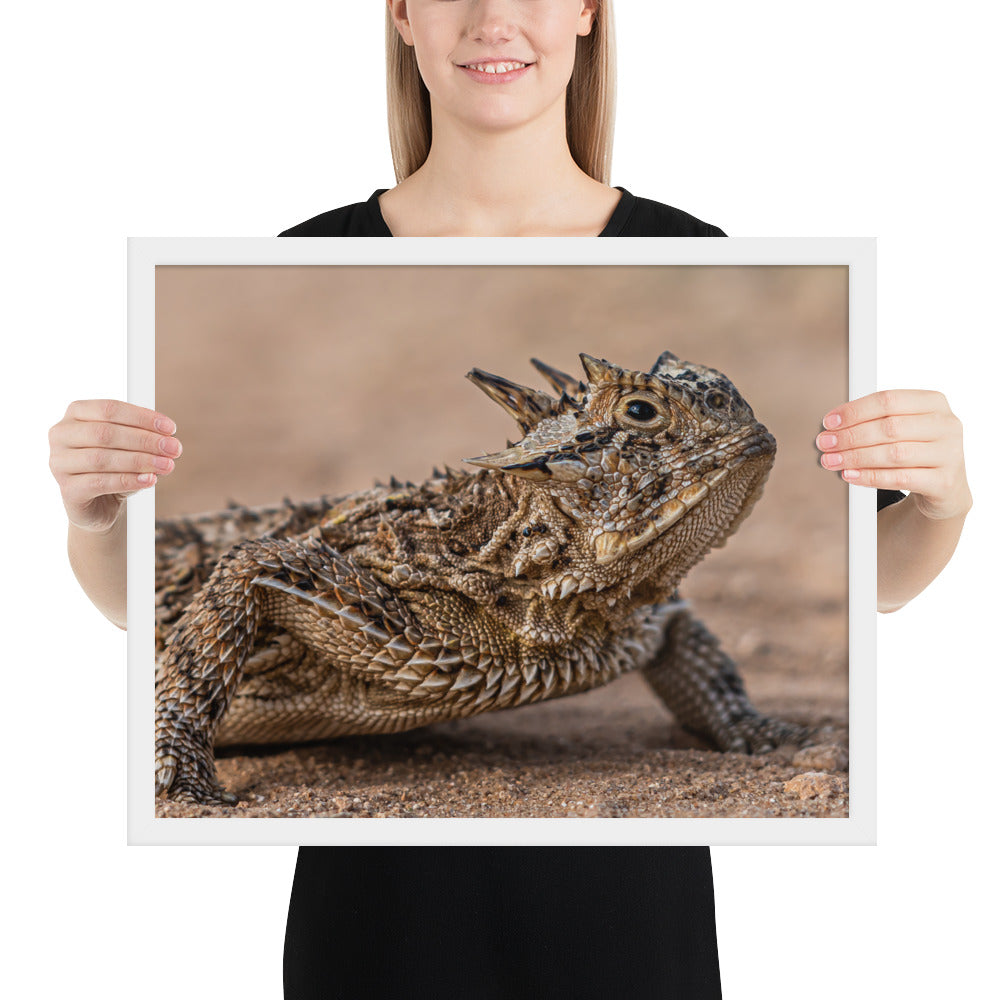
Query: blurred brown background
[(298, 381)]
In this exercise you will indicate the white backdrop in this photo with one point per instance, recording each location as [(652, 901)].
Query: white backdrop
[(230, 119)]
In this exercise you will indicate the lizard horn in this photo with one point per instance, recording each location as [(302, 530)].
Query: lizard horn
[(527, 406), (600, 371), (536, 464), (664, 362), (560, 381), (518, 461)]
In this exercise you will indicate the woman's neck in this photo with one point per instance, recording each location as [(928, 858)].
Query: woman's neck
[(515, 182)]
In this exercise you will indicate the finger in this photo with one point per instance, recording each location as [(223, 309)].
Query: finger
[(80, 461), (899, 455), (883, 404), (82, 489), (885, 430), (909, 480), (115, 411), (100, 434)]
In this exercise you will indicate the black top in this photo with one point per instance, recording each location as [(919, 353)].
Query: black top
[(886, 498), (504, 923), (632, 217)]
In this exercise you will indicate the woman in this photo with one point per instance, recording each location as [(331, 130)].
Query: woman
[(500, 121)]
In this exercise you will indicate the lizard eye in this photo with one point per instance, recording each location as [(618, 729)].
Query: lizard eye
[(717, 400), (640, 412), (640, 409)]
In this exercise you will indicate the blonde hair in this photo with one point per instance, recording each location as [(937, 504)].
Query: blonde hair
[(590, 100)]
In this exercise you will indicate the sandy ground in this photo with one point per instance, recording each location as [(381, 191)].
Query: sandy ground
[(303, 381)]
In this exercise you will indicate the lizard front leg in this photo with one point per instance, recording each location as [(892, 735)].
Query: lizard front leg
[(699, 683), (325, 600), (202, 667)]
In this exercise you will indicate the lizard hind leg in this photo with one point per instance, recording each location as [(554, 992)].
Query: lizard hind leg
[(699, 683)]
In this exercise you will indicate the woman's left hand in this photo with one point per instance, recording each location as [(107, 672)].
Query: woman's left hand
[(900, 439)]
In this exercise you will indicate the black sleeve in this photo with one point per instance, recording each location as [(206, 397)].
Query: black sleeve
[(886, 498)]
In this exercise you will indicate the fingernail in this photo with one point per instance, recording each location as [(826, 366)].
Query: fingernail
[(831, 421), (162, 464), (146, 478), (832, 461), (851, 474), (164, 425), (827, 441), (170, 446)]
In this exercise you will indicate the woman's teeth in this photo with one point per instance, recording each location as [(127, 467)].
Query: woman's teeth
[(502, 67)]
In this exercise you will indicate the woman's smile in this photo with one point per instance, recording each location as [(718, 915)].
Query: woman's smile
[(492, 71)]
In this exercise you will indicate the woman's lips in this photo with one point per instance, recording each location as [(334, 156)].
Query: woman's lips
[(495, 70)]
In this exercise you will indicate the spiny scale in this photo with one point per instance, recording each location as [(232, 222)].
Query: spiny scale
[(552, 569)]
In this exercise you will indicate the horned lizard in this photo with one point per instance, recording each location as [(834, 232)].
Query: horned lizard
[(551, 569)]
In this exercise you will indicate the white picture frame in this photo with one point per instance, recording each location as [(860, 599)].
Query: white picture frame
[(857, 256)]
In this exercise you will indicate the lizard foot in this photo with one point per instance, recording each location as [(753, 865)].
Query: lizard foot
[(185, 771), (754, 734)]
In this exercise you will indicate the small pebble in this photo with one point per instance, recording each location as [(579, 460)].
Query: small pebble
[(823, 757), (813, 785)]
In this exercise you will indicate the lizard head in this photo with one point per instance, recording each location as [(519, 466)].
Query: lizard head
[(652, 468)]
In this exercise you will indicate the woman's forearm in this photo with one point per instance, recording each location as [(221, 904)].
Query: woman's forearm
[(102, 451), (904, 439), (912, 549), (98, 559)]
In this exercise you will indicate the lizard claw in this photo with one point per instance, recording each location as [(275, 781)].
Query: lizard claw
[(755, 734), (191, 787), (166, 769), (185, 769), (206, 797)]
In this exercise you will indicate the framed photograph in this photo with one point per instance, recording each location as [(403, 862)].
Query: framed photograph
[(501, 541)]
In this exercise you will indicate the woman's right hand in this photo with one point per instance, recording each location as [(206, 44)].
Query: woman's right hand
[(102, 451)]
